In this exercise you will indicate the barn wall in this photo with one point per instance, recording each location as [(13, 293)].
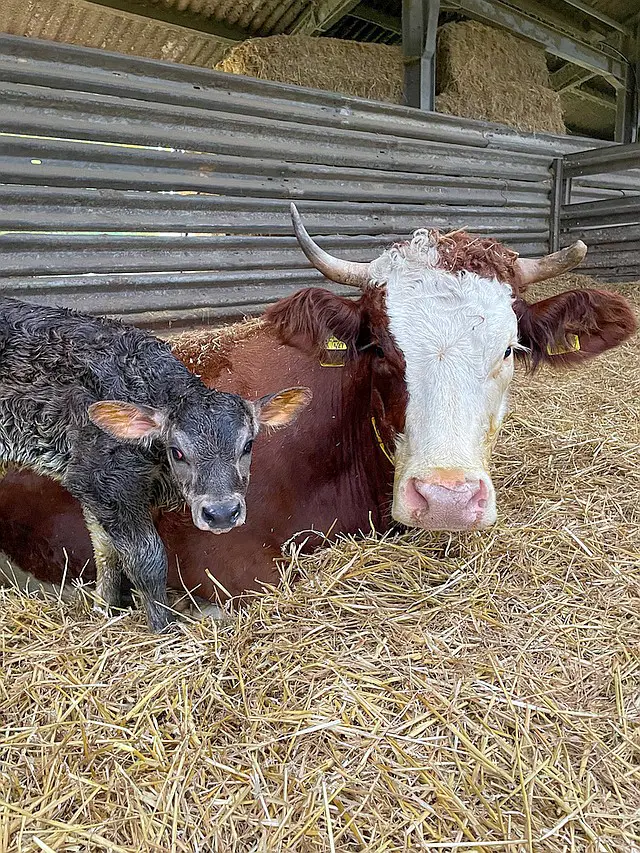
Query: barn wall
[(161, 192)]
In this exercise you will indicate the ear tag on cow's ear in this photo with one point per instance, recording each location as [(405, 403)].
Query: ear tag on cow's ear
[(573, 345), (335, 353)]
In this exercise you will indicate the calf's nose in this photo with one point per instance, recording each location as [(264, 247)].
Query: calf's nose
[(221, 515), (448, 501)]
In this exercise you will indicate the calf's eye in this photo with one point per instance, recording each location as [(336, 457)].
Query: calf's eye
[(508, 352), (247, 448), (177, 454)]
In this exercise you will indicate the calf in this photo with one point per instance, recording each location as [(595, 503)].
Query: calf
[(110, 413)]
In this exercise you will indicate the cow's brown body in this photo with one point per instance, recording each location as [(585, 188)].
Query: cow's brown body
[(327, 467)]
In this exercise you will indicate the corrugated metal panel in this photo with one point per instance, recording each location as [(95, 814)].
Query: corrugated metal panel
[(92, 25), (181, 37), (610, 226), (99, 153)]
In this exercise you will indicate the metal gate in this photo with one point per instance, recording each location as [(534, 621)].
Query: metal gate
[(160, 192)]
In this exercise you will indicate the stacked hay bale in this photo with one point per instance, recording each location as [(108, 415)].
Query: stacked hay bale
[(482, 72), (348, 67), (486, 73)]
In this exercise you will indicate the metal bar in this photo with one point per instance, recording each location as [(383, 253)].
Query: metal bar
[(79, 209), (598, 160), (597, 15), (321, 16), (618, 211), (609, 235), (626, 102), (557, 195), (419, 27), (607, 259), (587, 56), (570, 76), (199, 23), (140, 123), (46, 253), (392, 23), (595, 97)]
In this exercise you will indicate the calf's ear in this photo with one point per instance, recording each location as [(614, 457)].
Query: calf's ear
[(573, 326), (282, 408), (126, 420)]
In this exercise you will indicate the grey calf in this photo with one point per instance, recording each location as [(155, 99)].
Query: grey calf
[(109, 412)]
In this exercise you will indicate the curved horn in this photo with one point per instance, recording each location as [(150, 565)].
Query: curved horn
[(343, 272), (539, 269)]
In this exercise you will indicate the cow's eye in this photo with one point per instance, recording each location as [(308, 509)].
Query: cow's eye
[(508, 352), (177, 454), (379, 351), (247, 448)]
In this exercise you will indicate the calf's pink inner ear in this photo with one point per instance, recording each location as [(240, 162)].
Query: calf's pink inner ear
[(277, 410), (126, 420)]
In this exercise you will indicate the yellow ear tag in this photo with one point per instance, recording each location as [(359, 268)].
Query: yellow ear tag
[(573, 345), (335, 353)]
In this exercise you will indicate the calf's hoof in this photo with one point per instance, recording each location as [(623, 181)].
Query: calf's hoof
[(161, 621)]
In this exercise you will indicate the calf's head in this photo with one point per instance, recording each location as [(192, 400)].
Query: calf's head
[(208, 438), (447, 317)]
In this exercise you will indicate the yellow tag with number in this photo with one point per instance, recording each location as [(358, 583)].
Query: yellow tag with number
[(573, 345), (335, 353), (335, 344)]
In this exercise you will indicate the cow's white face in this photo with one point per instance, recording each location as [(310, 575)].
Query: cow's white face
[(457, 333)]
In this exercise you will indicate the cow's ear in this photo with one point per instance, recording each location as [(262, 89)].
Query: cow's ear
[(281, 409), (573, 326), (307, 319), (126, 420)]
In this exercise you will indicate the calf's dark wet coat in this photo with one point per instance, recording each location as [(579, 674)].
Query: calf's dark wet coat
[(109, 412)]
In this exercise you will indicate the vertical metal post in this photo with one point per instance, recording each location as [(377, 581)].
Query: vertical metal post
[(558, 198), (627, 95), (419, 28), (635, 60)]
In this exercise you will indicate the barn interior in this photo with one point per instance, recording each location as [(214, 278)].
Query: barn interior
[(591, 46), (427, 692)]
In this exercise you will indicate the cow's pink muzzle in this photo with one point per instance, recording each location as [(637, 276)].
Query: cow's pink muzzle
[(449, 500)]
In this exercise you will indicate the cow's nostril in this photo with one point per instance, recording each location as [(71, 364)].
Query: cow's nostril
[(235, 514)]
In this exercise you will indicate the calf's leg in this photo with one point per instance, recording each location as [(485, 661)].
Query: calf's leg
[(132, 545), (108, 566), (144, 560)]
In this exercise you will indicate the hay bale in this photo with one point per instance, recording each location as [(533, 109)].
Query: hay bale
[(491, 75), (468, 52), (374, 71), (424, 692), (525, 107)]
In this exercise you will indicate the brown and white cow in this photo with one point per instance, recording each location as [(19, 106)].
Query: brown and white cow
[(409, 386)]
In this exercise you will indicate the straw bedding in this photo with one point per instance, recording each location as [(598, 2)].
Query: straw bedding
[(425, 692)]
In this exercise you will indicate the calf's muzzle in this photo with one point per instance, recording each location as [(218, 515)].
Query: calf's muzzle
[(219, 516)]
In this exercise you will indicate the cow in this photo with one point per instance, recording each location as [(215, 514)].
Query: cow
[(410, 383), (110, 413)]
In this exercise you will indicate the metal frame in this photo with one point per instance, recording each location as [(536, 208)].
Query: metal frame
[(419, 23), (419, 28), (565, 46), (609, 226)]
